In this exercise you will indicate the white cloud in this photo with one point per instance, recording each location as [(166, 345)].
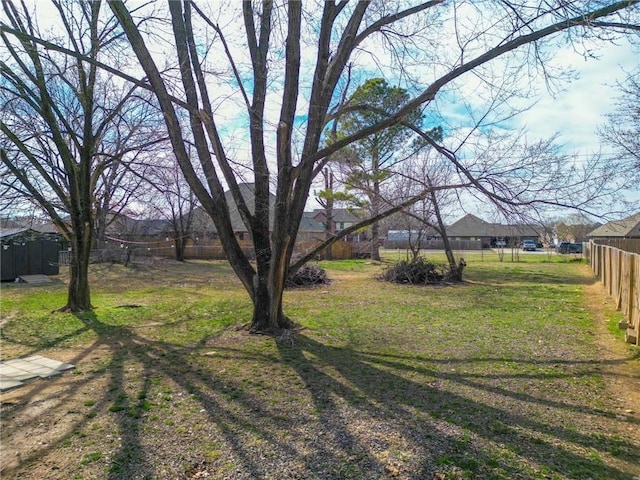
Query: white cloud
[(577, 111)]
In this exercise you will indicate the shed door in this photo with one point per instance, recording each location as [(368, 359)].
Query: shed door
[(7, 263), (21, 259)]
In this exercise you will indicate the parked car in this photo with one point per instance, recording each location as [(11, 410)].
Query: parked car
[(501, 243), (568, 247), (529, 246)]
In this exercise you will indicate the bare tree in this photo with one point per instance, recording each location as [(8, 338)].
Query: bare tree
[(622, 132), (428, 170), (137, 138), (63, 123), (172, 198), (287, 152)]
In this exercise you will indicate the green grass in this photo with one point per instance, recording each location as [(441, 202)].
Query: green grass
[(498, 377)]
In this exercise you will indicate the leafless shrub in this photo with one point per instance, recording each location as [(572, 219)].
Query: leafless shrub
[(306, 276)]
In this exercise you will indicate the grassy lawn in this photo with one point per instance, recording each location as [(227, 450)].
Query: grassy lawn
[(501, 377)]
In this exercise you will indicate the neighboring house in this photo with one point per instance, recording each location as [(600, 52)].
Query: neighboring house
[(470, 232), (31, 223), (624, 233), (48, 229), (472, 228), (126, 230), (203, 227), (310, 229), (618, 229), (342, 218)]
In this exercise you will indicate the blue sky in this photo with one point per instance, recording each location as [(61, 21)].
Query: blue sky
[(575, 111)]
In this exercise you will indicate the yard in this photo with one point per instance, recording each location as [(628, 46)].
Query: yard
[(519, 372)]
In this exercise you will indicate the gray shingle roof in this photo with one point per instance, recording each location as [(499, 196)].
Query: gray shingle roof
[(628, 227), (203, 223), (344, 215), (310, 224), (472, 226), (10, 232)]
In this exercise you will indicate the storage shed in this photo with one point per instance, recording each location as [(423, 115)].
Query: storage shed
[(25, 251)]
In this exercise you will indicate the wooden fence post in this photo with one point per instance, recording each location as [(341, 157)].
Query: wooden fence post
[(619, 272)]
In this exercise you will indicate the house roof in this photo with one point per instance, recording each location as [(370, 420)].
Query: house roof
[(472, 226), (309, 224), (517, 230), (344, 215), (124, 225), (628, 227), (46, 228), (10, 232), (247, 190), (202, 221), (24, 233)]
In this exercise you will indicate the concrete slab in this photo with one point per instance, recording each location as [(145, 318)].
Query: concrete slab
[(6, 385), (9, 372), (14, 372), (35, 279), (27, 366), (48, 362)]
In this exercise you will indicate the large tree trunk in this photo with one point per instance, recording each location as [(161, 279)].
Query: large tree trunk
[(181, 247), (267, 295), (78, 294), (375, 241), (101, 227)]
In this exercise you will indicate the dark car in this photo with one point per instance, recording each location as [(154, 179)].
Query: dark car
[(568, 247)]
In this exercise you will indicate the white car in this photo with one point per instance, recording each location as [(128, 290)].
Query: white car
[(529, 245)]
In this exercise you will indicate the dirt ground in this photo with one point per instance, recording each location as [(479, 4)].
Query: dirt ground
[(52, 411), (623, 379)]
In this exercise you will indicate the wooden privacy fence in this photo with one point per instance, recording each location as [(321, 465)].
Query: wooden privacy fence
[(619, 272)]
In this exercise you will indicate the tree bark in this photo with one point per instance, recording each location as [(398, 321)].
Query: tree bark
[(330, 226), (180, 245), (267, 294), (443, 231), (78, 292), (375, 206)]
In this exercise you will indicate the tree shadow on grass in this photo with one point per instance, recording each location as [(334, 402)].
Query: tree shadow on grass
[(233, 413), (327, 412), (451, 432)]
